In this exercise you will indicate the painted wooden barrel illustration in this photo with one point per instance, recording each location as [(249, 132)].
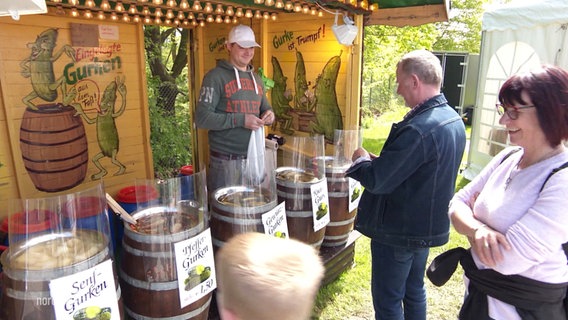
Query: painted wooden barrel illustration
[(238, 209), (148, 275), (293, 186), (30, 265), (54, 147), (341, 219)]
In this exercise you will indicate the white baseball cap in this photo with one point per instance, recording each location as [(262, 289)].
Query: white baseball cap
[(243, 36)]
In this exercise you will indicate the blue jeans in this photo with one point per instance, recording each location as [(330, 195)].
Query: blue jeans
[(397, 282)]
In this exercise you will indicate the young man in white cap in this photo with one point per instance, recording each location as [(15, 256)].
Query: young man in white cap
[(232, 103)]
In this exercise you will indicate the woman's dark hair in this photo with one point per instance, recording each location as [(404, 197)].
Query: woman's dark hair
[(547, 88)]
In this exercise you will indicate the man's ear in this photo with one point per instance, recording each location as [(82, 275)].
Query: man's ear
[(415, 81), (227, 314)]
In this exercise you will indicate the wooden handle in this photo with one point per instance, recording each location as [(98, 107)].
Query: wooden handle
[(119, 209)]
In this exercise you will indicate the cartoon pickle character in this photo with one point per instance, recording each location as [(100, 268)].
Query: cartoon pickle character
[(328, 115), (107, 133), (304, 100), (281, 99), (39, 68)]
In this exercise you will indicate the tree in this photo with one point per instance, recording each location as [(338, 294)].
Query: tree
[(462, 32), (170, 123), (166, 54), (383, 47)]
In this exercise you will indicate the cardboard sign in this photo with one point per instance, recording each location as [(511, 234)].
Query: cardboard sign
[(274, 222), (91, 293), (320, 204), (195, 265), (355, 192)]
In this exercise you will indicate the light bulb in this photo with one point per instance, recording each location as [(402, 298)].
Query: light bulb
[(208, 7), (132, 9), (219, 9), (196, 5)]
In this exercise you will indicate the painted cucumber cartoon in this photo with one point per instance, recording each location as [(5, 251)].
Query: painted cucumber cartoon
[(281, 99), (39, 68), (327, 113)]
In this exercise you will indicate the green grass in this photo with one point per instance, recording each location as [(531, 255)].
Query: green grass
[(349, 296)]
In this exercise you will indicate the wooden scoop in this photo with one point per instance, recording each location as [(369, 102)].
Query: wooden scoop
[(120, 210)]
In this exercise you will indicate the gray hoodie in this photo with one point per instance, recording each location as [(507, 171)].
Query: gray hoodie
[(225, 96)]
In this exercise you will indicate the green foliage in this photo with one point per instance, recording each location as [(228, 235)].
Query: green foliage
[(170, 123), (384, 46), (170, 136), (462, 32)]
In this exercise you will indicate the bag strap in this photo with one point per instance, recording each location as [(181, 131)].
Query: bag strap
[(510, 154), (555, 170)]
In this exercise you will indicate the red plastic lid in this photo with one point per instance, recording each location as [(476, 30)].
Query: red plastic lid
[(135, 194), (187, 170), (4, 225), (31, 222), (83, 207)]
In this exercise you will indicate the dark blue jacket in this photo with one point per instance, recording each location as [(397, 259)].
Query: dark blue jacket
[(409, 186)]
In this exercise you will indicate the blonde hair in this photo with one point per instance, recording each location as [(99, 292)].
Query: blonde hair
[(264, 277)]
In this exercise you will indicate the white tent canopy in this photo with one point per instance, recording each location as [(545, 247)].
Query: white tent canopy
[(516, 37)]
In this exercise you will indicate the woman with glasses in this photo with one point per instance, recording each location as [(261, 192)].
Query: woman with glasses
[(513, 213)]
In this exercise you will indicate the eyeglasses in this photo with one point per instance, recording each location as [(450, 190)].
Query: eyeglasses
[(512, 111)]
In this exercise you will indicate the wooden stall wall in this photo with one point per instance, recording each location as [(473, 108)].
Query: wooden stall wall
[(311, 73), (73, 109)]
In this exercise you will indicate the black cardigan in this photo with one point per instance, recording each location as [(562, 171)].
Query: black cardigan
[(533, 299)]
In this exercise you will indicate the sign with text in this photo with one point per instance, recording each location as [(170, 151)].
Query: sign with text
[(274, 222), (320, 204), (89, 294), (355, 192), (195, 265)]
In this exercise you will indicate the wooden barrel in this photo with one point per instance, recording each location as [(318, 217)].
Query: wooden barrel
[(54, 147), (341, 219), (26, 277), (296, 193), (148, 275), (238, 209)]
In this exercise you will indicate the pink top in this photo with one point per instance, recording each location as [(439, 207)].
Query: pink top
[(535, 224)]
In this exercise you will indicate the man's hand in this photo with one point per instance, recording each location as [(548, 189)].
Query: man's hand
[(360, 152), (253, 122), (267, 117)]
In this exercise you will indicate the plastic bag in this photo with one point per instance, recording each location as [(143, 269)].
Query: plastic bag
[(254, 167)]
